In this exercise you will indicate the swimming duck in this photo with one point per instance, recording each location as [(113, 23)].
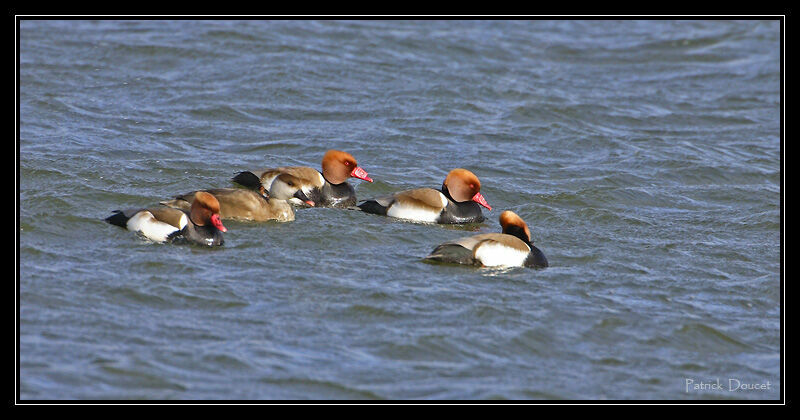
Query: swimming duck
[(512, 248), (457, 202), (327, 189), (201, 224), (242, 204)]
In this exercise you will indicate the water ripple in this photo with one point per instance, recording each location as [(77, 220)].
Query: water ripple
[(645, 157)]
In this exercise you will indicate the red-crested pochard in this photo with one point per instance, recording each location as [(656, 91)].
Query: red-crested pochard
[(512, 248), (326, 189), (201, 224), (242, 204), (457, 202)]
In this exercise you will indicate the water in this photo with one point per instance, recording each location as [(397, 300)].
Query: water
[(644, 155)]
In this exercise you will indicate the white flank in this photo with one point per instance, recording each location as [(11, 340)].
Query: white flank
[(417, 214), (444, 200), (493, 254), (151, 228)]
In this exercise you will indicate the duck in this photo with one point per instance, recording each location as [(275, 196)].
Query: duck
[(249, 205), (328, 188), (512, 248), (201, 224), (458, 201)]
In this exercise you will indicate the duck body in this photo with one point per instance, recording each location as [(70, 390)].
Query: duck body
[(424, 205), (458, 201), (314, 185), (489, 250), (242, 204), (512, 248), (200, 224), (328, 188)]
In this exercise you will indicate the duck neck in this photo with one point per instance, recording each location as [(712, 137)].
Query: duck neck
[(446, 193), (519, 233)]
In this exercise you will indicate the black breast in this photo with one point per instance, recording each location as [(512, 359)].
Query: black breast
[(203, 235), (339, 195), (464, 212), (536, 258)]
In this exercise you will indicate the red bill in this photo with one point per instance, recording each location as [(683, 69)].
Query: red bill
[(360, 174), (217, 223), (478, 198)]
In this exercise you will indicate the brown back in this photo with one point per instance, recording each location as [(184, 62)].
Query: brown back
[(168, 215), (472, 242), (421, 197), (310, 176)]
